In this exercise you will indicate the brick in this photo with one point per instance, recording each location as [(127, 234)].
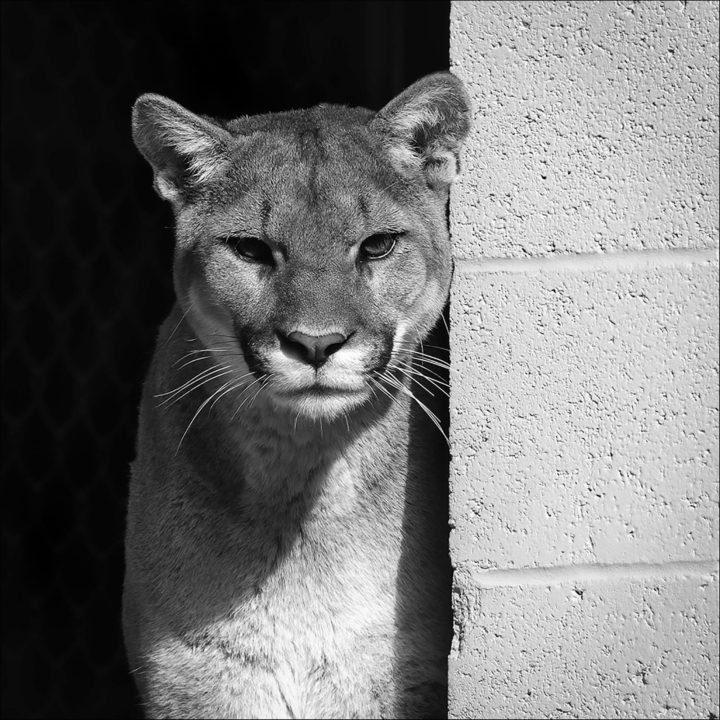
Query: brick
[(584, 416), (615, 648), (596, 126)]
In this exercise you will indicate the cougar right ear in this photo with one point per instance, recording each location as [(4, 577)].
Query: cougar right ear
[(424, 127), (184, 149)]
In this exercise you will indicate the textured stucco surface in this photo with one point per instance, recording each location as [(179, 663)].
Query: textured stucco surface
[(595, 126), (585, 423), (584, 352), (652, 652)]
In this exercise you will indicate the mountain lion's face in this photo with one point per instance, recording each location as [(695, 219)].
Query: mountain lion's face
[(312, 250)]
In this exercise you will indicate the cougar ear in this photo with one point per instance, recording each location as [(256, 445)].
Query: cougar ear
[(183, 148), (424, 127)]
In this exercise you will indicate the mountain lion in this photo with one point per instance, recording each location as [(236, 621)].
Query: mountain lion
[(286, 548)]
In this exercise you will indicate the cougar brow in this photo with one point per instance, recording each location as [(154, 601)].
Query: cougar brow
[(264, 216), (312, 152)]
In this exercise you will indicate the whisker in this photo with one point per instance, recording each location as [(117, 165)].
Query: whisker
[(207, 357), (437, 380), (237, 383), (244, 392), (428, 359), (395, 383), (184, 315), (201, 375), (408, 373), (171, 401), (372, 388), (194, 360), (437, 347), (199, 410), (246, 399), (422, 365), (413, 349), (256, 394), (417, 374), (198, 383), (381, 387), (206, 351), (417, 363), (442, 317)]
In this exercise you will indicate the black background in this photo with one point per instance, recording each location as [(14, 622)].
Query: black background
[(86, 251)]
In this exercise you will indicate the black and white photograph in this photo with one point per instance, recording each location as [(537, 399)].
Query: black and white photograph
[(360, 359)]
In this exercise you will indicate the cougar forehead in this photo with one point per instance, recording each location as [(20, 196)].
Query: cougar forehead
[(312, 180)]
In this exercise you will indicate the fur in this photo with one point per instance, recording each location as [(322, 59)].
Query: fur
[(286, 546)]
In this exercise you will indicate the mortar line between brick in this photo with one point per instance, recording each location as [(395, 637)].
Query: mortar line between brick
[(579, 573), (589, 261)]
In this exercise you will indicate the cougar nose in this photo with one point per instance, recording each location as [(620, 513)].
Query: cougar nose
[(312, 349)]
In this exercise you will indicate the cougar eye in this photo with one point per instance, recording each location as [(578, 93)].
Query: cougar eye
[(252, 249), (378, 246)]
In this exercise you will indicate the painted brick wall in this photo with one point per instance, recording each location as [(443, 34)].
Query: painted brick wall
[(584, 340)]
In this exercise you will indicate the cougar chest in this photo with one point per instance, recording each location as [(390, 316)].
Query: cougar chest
[(332, 545), (321, 612)]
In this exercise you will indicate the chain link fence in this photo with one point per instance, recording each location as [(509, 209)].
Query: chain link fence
[(86, 258)]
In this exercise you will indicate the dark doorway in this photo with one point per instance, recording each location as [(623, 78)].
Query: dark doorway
[(86, 251)]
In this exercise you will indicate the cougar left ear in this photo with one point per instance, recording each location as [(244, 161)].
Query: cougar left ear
[(184, 149), (424, 127)]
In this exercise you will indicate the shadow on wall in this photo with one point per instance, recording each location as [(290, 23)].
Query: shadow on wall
[(86, 277)]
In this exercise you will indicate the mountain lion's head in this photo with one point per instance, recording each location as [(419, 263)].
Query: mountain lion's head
[(312, 248)]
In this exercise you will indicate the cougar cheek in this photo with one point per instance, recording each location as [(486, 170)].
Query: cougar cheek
[(211, 320)]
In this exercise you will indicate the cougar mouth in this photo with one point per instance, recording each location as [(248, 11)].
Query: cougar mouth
[(318, 401), (321, 389)]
